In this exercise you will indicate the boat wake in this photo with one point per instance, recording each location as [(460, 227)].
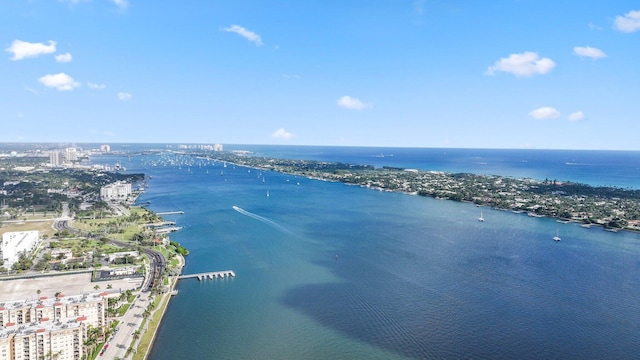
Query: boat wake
[(262, 219)]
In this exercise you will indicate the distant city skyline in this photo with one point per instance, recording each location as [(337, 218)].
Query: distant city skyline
[(414, 73)]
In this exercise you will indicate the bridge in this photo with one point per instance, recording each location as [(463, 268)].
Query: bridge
[(210, 275)]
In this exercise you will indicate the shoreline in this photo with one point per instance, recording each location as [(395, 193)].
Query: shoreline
[(379, 188), (167, 298)]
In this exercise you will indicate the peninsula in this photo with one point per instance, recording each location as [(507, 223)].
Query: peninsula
[(611, 207)]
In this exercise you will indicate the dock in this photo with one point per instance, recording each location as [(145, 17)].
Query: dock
[(159, 224), (178, 212), (210, 275)]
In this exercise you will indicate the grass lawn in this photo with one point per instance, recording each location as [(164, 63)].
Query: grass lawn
[(44, 227), (123, 309)]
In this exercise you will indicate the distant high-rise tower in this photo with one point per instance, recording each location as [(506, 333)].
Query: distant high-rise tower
[(54, 158), (217, 147), (105, 148), (71, 154)]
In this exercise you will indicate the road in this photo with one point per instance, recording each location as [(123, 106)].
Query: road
[(131, 320)]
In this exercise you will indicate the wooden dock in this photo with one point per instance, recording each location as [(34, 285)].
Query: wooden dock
[(210, 275)]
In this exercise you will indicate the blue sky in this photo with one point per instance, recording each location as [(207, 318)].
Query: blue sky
[(542, 74)]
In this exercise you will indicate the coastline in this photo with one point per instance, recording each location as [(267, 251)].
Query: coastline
[(152, 332), (407, 185)]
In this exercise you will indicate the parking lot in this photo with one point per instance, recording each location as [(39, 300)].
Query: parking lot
[(73, 284)]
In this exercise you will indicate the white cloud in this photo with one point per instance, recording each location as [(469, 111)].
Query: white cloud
[(348, 102), (282, 134), (525, 64), (61, 82), (22, 49), (593, 26), (122, 4), (123, 96), (64, 58), (589, 52), (544, 113), (628, 23), (96, 86), (247, 34), (576, 116)]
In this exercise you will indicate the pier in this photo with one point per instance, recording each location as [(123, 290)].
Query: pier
[(210, 275), (160, 224), (179, 212)]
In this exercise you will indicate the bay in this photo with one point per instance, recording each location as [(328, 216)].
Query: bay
[(415, 277)]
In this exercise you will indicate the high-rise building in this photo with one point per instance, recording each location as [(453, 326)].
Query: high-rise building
[(71, 154), (54, 158), (49, 328), (105, 148), (116, 191)]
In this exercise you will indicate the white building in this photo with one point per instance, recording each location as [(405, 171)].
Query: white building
[(54, 158), (71, 154), (217, 147), (105, 148), (111, 257), (36, 329), (13, 243), (116, 191)]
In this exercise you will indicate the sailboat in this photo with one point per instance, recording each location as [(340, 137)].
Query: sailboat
[(556, 238), (267, 193), (481, 219)]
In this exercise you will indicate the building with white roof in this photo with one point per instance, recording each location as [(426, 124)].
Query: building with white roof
[(16, 242)]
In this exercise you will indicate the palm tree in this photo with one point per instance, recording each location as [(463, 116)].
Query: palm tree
[(97, 287), (109, 286)]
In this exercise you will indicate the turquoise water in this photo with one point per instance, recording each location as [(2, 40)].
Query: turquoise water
[(415, 277)]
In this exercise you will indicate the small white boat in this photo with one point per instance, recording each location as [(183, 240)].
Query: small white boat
[(481, 219), (556, 238)]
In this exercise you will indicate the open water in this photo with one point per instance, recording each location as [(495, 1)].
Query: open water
[(414, 277)]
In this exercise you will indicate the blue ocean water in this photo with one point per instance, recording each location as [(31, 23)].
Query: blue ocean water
[(414, 277)]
